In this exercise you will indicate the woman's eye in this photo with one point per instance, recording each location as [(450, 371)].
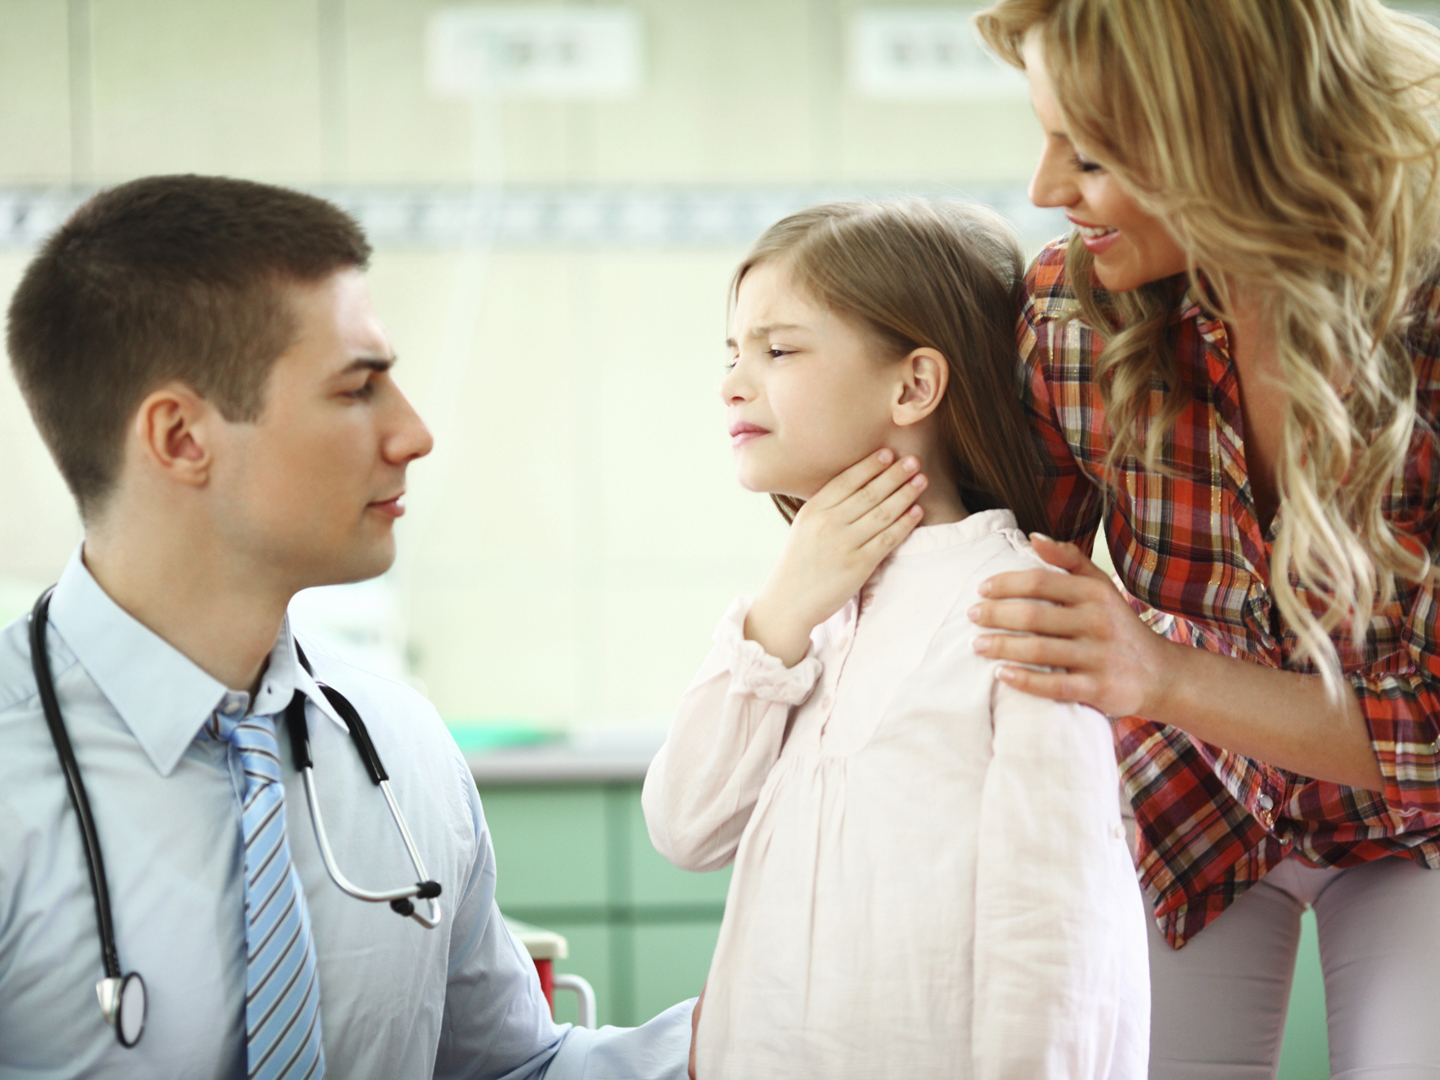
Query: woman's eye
[(1084, 164)]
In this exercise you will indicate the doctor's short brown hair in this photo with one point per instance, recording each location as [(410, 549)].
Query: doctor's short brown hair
[(164, 279)]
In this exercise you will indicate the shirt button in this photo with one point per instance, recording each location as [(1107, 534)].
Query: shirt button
[(1266, 802), (826, 702), (1118, 832)]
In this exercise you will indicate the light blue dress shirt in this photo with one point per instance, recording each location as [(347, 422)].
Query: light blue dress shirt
[(397, 1000)]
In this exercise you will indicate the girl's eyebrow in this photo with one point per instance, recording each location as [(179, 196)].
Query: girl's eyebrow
[(766, 331)]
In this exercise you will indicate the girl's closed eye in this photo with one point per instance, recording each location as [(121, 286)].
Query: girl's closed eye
[(1084, 164)]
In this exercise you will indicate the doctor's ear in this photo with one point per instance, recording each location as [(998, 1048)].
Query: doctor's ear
[(173, 430), (924, 374)]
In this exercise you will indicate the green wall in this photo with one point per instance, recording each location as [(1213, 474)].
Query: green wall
[(576, 859)]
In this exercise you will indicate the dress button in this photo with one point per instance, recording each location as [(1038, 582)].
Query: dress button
[(1266, 802)]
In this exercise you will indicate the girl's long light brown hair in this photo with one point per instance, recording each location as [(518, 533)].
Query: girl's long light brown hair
[(1291, 147), (943, 276)]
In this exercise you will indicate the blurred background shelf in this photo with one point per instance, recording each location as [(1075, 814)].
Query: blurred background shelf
[(574, 857)]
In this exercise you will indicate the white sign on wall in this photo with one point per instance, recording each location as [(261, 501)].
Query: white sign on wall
[(919, 54), (534, 52)]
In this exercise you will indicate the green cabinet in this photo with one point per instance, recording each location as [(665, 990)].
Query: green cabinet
[(576, 859)]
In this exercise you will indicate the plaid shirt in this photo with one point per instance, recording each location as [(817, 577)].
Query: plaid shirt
[(1195, 564)]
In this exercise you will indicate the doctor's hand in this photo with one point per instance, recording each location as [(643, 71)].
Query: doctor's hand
[(1106, 657), (835, 543)]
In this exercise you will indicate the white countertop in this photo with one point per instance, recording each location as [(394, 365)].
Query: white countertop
[(582, 757)]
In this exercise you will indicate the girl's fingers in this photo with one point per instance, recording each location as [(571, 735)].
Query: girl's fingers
[(879, 489), (854, 478), (889, 538), (891, 507)]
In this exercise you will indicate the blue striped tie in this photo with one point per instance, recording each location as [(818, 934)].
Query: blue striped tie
[(282, 986)]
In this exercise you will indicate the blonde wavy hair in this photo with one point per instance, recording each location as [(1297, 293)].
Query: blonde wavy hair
[(1290, 145)]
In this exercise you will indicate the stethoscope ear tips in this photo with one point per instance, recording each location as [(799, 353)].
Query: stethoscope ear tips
[(424, 890), (122, 1003)]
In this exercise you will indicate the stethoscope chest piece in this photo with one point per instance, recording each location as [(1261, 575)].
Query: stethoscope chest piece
[(122, 1002)]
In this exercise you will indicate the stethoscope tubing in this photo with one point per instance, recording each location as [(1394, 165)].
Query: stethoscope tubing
[(118, 1004), (111, 989)]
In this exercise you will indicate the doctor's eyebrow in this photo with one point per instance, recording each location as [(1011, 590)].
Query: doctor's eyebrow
[(379, 364)]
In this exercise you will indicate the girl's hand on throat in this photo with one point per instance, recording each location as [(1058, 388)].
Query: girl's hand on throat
[(836, 541)]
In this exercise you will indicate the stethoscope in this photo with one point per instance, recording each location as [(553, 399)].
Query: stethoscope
[(122, 996)]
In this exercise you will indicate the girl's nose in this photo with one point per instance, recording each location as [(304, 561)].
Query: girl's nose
[(735, 388)]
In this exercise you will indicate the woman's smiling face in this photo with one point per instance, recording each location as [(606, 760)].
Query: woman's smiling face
[(1131, 247), (806, 396)]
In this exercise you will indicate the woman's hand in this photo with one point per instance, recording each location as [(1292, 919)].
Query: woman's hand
[(1108, 658), (836, 541)]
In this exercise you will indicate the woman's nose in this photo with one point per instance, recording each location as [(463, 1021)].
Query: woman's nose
[(1051, 184)]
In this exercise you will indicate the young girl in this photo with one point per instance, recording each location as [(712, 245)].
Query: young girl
[(931, 876)]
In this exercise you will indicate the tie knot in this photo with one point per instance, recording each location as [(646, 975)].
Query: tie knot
[(254, 738)]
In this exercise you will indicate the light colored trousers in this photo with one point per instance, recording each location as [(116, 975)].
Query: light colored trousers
[(1218, 1004)]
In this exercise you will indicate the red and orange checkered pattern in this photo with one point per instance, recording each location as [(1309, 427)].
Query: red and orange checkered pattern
[(1194, 562)]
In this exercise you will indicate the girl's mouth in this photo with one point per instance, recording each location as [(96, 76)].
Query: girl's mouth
[(743, 433)]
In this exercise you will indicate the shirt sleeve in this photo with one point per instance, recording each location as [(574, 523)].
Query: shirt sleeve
[(497, 1024), (727, 732), (1402, 711), (1061, 969), (1049, 347)]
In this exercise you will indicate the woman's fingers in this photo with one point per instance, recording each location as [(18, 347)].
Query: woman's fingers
[(1067, 557), (1045, 585), (1057, 686), (1031, 617)]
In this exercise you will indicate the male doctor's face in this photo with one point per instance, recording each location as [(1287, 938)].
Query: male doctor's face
[(311, 491)]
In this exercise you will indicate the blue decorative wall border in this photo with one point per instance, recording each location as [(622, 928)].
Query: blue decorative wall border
[(440, 217)]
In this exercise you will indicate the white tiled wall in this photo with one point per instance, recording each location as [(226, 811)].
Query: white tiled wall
[(577, 532)]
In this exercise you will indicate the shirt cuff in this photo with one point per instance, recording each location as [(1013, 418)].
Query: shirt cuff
[(753, 670)]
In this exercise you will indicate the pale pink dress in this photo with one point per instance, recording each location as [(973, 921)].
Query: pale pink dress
[(931, 876)]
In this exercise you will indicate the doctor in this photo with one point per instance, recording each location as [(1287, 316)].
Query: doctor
[(202, 359)]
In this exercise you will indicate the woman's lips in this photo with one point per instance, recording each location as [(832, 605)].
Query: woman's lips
[(391, 507), (740, 434), (1096, 238)]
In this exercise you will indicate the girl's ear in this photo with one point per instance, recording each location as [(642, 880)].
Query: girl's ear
[(924, 374)]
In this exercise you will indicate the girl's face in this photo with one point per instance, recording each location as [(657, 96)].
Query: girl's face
[(806, 396), (1131, 247)]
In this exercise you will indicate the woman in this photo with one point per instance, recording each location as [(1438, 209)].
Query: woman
[(1231, 367)]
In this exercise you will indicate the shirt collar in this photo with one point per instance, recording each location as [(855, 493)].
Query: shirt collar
[(162, 695)]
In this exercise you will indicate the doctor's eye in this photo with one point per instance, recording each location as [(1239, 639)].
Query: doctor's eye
[(366, 390)]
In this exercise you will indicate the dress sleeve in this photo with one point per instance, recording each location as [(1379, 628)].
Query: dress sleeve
[(1055, 360), (727, 733), (1061, 972)]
